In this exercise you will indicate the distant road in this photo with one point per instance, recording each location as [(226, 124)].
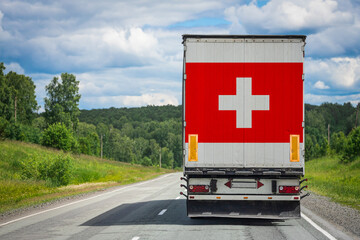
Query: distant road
[(147, 210)]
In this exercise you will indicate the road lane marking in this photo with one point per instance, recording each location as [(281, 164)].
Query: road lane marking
[(328, 235), (177, 197), (83, 200), (162, 212), (135, 238)]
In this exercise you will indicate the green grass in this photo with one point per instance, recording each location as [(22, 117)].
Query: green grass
[(87, 174), (341, 182)]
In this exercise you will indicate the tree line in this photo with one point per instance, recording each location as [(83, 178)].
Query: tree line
[(150, 135), (332, 128)]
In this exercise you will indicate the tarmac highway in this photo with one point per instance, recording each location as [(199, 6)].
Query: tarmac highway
[(150, 210)]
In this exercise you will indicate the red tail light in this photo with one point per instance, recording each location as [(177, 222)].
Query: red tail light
[(288, 189), (198, 188)]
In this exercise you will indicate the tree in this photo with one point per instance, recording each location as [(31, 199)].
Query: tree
[(338, 142), (23, 102), (58, 136), (88, 139), (352, 147), (17, 97), (62, 103)]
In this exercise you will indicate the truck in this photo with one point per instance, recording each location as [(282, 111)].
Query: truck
[(243, 125)]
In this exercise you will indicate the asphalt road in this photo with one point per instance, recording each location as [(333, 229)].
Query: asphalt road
[(147, 210)]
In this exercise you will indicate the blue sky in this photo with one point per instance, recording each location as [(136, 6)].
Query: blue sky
[(129, 53)]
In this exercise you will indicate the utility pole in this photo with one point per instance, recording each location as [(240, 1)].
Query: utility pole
[(329, 133), (160, 156), (101, 146), (15, 106)]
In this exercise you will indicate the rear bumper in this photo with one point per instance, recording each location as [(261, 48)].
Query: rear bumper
[(245, 197), (244, 209)]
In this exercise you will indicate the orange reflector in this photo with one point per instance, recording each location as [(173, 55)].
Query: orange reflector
[(294, 148), (245, 197), (218, 197), (193, 148), (269, 197)]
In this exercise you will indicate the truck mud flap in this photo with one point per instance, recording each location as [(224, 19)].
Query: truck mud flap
[(244, 209)]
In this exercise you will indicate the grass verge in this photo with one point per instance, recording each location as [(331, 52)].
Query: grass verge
[(341, 182), (27, 180)]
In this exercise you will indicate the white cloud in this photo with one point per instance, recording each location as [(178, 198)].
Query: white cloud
[(321, 85), (332, 27), (4, 35), (289, 15), (131, 51), (15, 67), (318, 99), (158, 99), (343, 73)]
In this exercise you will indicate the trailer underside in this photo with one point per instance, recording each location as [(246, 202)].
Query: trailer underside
[(244, 209)]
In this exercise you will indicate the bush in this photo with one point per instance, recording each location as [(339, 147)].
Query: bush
[(56, 171), (352, 147), (13, 131), (338, 142), (146, 162), (31, 134), (58, 136), (3, 126)]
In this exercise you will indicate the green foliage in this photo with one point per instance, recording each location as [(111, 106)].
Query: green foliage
[(56, 170), (58, 136), (30, 174), (167, 158), (131, 134), (62, 103), (88, 139), (146, 161), (340, 118), (337, 181), (39, 123), (3, 126), (338, 142), (352, 147), (17, 97), (22, 97)]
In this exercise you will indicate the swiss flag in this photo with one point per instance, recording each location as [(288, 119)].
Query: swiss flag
[(280, 84)]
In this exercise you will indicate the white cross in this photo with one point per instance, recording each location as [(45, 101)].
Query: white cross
[(244, 102)]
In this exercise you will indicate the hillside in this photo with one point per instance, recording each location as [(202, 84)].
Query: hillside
[(137, 135), (327, 177), (118, 116), (31, 174)]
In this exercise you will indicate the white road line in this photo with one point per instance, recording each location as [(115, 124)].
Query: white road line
[(177, 197), (162, 212), (135, 238), (72, 203), (328, 235)]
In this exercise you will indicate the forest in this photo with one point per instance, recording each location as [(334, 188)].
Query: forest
[(151, 135)]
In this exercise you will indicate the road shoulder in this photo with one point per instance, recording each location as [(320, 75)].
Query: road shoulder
[(329, 214)]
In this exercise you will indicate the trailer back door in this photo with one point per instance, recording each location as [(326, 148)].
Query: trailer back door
[(243, 102)]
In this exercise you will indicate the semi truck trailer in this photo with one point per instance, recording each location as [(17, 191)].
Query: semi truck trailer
[(243, 125)]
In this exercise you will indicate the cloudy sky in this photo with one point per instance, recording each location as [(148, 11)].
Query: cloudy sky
[(129, 53)]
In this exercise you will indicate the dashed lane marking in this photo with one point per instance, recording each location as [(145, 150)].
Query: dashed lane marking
[(135, 238), (162, 212)]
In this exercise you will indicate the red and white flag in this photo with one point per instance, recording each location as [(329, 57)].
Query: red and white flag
[(244, 103)]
